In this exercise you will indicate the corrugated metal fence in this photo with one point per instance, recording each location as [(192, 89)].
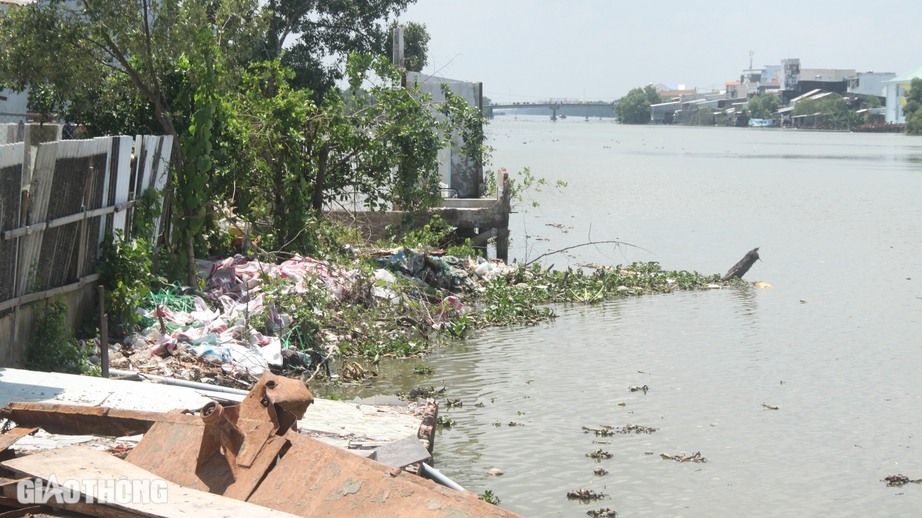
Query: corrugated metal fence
[(57, 201)]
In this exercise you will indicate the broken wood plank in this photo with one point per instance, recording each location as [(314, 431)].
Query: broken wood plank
[(9, 438), (740, 268), (82, 463)]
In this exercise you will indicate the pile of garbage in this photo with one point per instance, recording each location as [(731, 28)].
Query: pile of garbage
[(209, 335)]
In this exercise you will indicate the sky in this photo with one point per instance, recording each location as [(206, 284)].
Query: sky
[(525, 50)]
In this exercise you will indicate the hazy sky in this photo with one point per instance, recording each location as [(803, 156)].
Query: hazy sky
[(598, 50)]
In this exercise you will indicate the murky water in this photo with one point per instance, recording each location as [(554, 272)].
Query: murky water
[(836, 345)]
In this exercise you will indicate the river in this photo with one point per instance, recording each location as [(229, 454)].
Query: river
[(835, 345)]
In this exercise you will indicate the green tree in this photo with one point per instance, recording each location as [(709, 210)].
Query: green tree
[(761, 106), (912, 108), (652, 95), (634, 108), (831, 112), (871, 102), (703, 117), (324, 33), (415, 45)]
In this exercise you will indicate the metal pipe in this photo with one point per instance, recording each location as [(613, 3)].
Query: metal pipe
[(180, 383), (427, 471)]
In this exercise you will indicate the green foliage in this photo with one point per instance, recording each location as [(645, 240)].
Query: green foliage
[(871, 102), (634, 108), (490, 498), (505, 304), (324, 34), (124, 271), (761, 106), (912, 111), (703, 117), (653, 97), (831, 112), (422, 370), (437, 234), (521, 189), (53, 347), (415, 45)]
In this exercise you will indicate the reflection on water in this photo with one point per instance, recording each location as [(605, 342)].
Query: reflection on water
[(834, 345)]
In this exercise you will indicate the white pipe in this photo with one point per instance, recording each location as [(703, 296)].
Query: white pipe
[(429, 472), (180, 383)]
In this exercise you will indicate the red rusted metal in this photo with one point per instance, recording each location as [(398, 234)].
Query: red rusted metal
[(253, 452), (87, 420)]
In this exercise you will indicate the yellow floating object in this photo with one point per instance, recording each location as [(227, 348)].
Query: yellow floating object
[(763, 285)]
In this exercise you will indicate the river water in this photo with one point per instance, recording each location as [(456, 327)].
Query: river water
[(835, 345)]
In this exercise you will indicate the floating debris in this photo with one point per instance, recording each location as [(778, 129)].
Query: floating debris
[(584, 494), (513, 423), (600, 472), (422, 369), (602, 513), (622, 404), (695, 457), (422, 393), (635, 428), (454, 403), (447, 422), (599, 454), (495, 472), (479, 404), (762, 285), (605, 431), (638, 389), (770, 407), (899, 480)]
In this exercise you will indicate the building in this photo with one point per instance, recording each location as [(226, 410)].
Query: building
[(869, 83), (897, 88)]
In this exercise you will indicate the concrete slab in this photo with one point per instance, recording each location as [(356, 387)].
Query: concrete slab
[(31, 386)]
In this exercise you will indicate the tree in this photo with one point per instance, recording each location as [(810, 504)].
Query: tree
[(163, 51), (634, 108), (912, 108), (415, 45), (325, 33), (831, 112), (703, 117), (652, 95), (871, 102), (761, 106)]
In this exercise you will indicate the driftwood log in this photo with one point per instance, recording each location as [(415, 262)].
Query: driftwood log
[(739, 269)]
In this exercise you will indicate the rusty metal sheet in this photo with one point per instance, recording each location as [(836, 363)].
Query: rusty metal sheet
[(87, 420), (318, 480), (229, 450)]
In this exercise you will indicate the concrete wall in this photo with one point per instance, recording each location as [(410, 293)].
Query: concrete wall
[(16, 328), (458, 171)]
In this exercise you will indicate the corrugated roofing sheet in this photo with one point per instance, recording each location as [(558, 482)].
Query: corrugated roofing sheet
[(907, 77)]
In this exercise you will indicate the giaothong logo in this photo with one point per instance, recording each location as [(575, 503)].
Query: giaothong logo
[(103, 491)]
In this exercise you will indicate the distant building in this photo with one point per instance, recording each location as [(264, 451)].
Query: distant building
[(896, 95), (790, 73), (869, 83), (826, 74)]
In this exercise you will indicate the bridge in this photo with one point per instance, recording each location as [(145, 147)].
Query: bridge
[(554, 106)]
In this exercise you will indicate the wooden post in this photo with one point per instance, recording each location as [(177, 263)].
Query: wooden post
[(103, 333)]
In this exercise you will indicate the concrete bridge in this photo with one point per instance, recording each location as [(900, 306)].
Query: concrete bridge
[(553, 106)]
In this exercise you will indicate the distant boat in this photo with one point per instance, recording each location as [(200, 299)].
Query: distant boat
[(563, 115)]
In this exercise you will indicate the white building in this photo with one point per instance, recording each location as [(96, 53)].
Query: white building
[(896, 95), (869, 83)]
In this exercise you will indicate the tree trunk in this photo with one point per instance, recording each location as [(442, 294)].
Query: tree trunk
[(740, 268), (321, 177)]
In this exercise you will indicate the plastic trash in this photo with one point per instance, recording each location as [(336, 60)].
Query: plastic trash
[(212, 354), (384, 275)]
